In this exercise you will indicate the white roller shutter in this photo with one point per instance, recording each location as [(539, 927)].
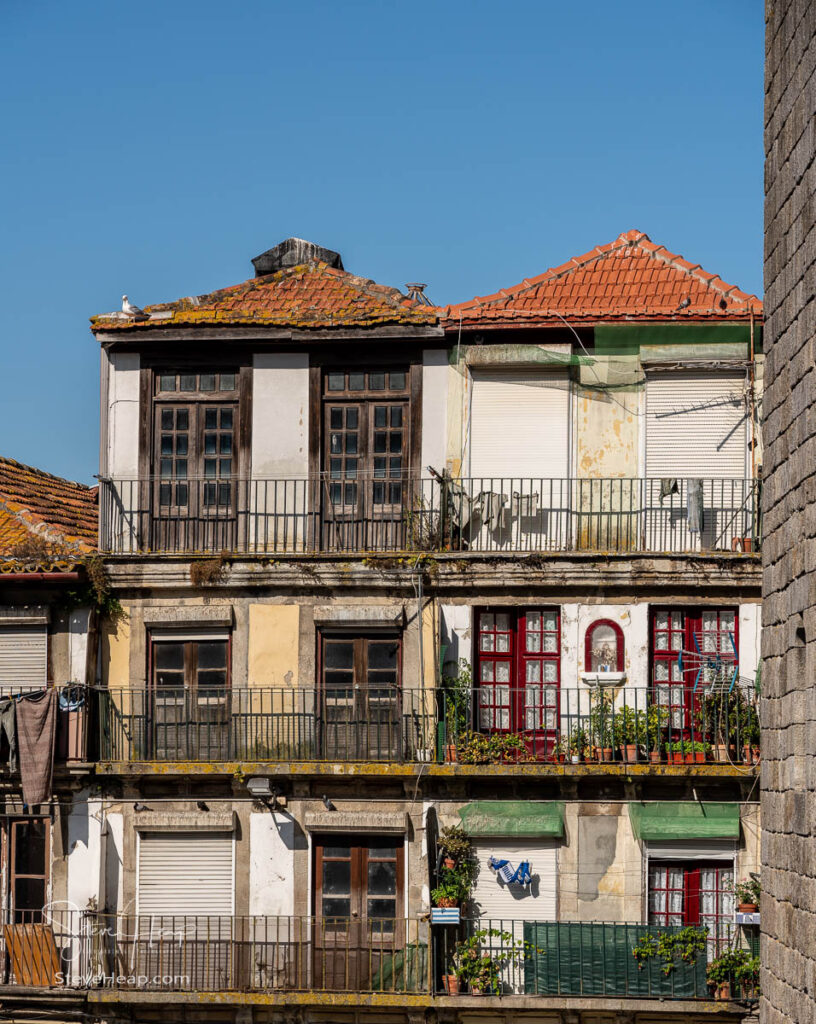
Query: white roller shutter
[(696, 424), (519, 424), (23, 656), (498, 901), (185, 873)]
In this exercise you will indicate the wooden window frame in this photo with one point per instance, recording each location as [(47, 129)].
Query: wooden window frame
[(190, 681), (13, 875), (359, 846), (691, 889)]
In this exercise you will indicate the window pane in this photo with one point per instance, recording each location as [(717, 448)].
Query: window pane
[(337, 381), (351, 444), (164, 494), (29, 850), (356, 382), (209, 444), (182, 419), (225, 467), (226, 419), (383, 910), (397, 380), (207, 382), (167, 444), (383, 852), (337, 851), (29, 894), (396, 415), (227, 382), (334, 907), (340, 655), (380, 416), (212, 679), (167, 419), (209, 467), (181, 444), (167, 382), (225, 444), (351, 419), (382, 878), (212, 654), (211, 419), (396, 442), (336, 419), (169, 655), (187, 382), (376, 381), (181, 469), (380, 442), (382, 655), (166, 467), (181, 494), (336, 877)]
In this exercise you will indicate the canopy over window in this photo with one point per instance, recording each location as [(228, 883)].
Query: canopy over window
[(544, 819), (684, 819)]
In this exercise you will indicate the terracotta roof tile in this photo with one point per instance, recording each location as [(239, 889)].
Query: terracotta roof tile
[(308, 296), (628, 279), (34, 504)]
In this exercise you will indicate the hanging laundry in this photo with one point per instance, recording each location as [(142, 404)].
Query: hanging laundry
[(490, 506), (668, 486), (522, 875), (694, 505), (503, 868), (524, 505), (8, 725), (36, 728)]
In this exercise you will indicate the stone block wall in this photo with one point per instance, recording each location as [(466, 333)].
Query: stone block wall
[(788, 711)]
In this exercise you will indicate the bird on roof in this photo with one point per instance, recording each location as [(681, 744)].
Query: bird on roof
[(130, 310)]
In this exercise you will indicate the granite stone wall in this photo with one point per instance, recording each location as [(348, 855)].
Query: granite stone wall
[(788, 710)]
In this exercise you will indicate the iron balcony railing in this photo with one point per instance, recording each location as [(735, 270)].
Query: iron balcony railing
[(480, 514), (74, 729), (180, 953), (666, 723)]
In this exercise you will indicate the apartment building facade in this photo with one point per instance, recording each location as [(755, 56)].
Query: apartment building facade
[(388, 569)]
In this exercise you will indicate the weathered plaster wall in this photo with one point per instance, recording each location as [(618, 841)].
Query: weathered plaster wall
[(123, 415), (435, 373), (272, 844), (274, 642), (280, 415)]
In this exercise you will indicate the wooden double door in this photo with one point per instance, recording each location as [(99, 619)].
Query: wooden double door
[(359, 912)]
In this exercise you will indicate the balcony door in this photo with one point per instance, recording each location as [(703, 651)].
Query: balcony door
[(361, 702), (194, 494), (365, 459), (188, 708), (359, 904)]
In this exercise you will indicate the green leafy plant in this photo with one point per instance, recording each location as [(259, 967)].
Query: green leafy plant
[(670, 947), (493, 748), (748, 890), (454, 842), (578, 742), (656, 719), (454, 884), (746, 974), (456, 690), (629, 727), (601, 717), (479, 961)]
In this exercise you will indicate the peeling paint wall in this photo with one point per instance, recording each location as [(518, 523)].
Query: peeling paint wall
[(274, 636)]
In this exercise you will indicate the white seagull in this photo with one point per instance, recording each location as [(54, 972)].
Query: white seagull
[(130, 310)]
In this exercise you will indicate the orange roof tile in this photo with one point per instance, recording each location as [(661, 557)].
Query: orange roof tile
[(37, 505), (631, 278), (307, 296)]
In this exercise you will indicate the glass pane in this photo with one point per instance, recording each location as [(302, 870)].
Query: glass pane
[(376, 381), (383, 852), (533, 642), (379, 468), (167, 444), (395, 467), (170, 680), (227, 382), (29, 850), (382, 655), (397, 380), (167, 382), (181, 444), (166, 467), (181, 469), (382, 909), (486, 642), (211, 419), (169, 655), (351, 419), (336, 877), (336, 444), (396, 442), (487, 671), (29, 894), (356, 382), (337, 851), (212, 679), (533, 673), (164, 494), (225, 444), (351, 444), (378, 493), (209, 444), (487, 621), (380, 442), (503, 643), (380, 416), (395, 493), (182, 419), (396, 415), (340, 655), (336, 419), (209, 468), (167, 419), (224, 494), (351, 469), (334, 907), (550, 643), (335, 467), (382, 878), (503, 622), (502, 671), (187, 382), (225, 467), (661, 642), (212, 654), (207, 382), (181, 494), (226, 419), (337, 381)]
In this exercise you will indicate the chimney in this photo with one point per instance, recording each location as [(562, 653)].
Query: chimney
[(416, 293), (293, 252)]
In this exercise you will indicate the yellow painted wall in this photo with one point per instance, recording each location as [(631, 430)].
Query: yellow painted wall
[(273, 645), (116, 655)]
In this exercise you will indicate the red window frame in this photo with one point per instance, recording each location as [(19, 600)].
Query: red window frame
[(682, 625), (720, 923), (516, 638), (588, 643)]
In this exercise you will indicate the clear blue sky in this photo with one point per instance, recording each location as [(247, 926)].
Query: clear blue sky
[(155, 147)]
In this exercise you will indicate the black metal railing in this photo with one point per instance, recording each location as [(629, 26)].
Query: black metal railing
[(55, 948), (662, 724), (481, 514), (75, 726)]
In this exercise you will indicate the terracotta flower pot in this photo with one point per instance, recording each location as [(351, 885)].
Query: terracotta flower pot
[(450, 752), (723, 990), (629, 752), (449, 863), (747, 908), (654, 756), (446, 901), (720, 752), (606, 753), (676, 757), (450, 983)]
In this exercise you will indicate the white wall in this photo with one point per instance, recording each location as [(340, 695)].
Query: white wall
[(271, 864), (455, 623), (78, 626), (280, 415), (749, 638), (113, 880), (123, 415), (84, 858), (434, 410)]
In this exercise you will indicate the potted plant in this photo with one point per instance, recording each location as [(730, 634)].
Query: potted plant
[(601, 717), (723, 971), (479, 962), (674, 752), (746, 975), (456, 691), (747, 894), (578, 744), (450, 984), (712, 717), (656, 718), (455, 845), (629, 731), (559, 752), (696, 751)]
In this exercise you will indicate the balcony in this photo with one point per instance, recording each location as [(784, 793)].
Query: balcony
[(74, 726), (538, 725), (437, 514), (409, 957)]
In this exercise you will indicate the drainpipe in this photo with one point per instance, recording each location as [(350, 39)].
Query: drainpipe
[(751, 399)]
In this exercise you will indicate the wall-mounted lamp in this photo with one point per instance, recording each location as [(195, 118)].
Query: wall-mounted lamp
[(260, 788)]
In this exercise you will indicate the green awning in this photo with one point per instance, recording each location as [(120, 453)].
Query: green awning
[(544, 819), (684, 819)]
